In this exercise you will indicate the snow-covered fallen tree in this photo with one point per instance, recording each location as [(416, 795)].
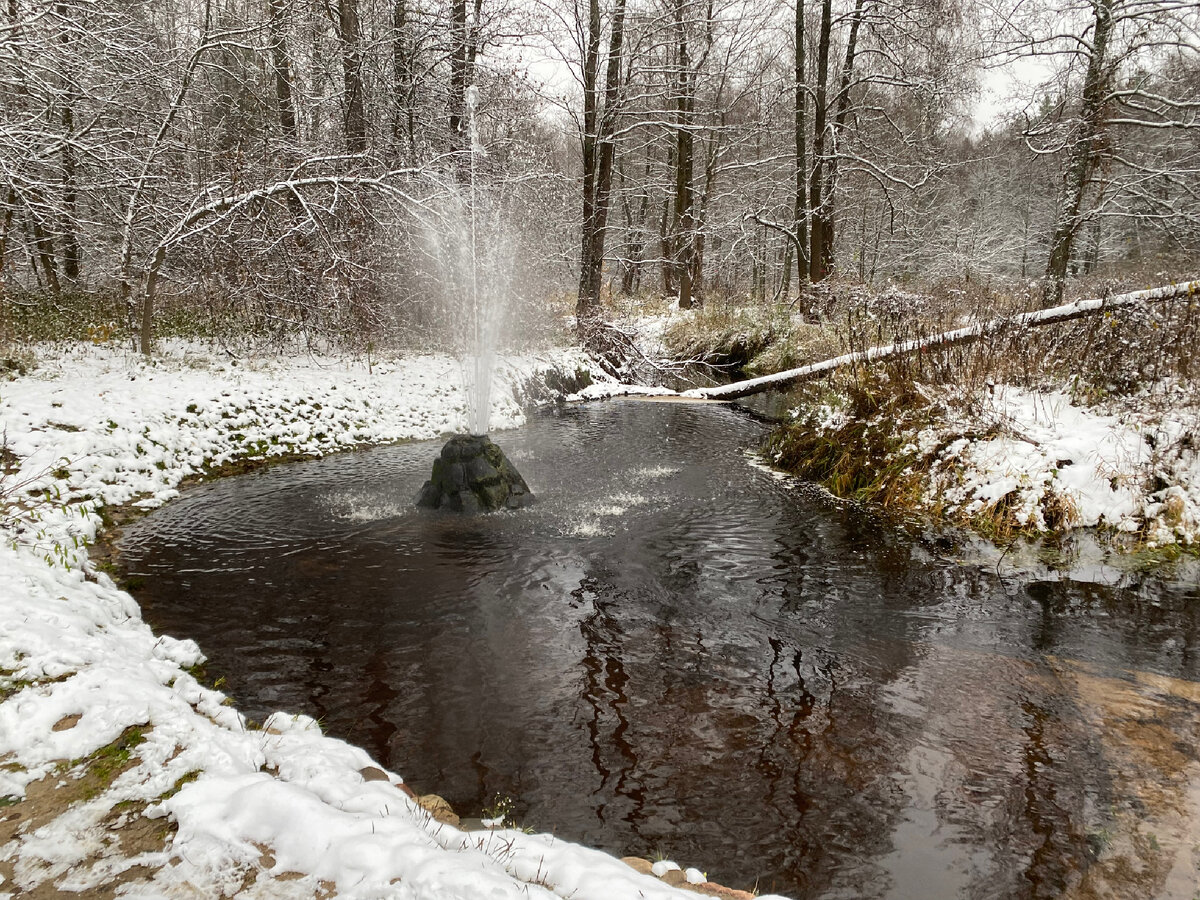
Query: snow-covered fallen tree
[(1064, 313)]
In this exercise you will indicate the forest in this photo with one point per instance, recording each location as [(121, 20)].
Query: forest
[(262, 171), (847, 352)]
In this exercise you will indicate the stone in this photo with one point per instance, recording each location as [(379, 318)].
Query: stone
[(638, 864), (479, 470), (439, 808), (374, 773), (675, 878), (472, 475), (476, 824), (710, 889)]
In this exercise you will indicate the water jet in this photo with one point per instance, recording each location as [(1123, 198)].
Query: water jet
[(472, 474)]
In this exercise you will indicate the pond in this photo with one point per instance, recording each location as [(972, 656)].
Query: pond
[(676, 652)]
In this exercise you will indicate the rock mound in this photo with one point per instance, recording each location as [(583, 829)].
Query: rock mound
[(473, 475)]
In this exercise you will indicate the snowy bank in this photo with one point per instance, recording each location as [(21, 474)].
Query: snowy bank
[(1031, 461), (119, 771)]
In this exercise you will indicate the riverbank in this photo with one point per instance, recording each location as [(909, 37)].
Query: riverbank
[(1013, 462), (119, 770), (1088, 423)]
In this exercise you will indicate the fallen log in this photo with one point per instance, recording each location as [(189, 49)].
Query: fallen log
[(1064, 313)]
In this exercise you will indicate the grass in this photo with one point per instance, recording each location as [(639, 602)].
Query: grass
[(103, 766), (185, 779), (870, 456), (10, 684)]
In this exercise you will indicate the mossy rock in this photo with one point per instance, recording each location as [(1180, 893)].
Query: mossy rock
[(471, 475)]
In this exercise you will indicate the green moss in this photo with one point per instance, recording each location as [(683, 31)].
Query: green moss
[(103, 766), (174, 789)]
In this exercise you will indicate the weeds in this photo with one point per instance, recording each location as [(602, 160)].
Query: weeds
[(870, 455), (499, 808), (93, 317)]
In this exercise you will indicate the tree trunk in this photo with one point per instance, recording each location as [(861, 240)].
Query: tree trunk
[(10, 209), (146, 327), (1084, 155), (684, 144), (586, 305), (666, 253), (354, 120), (597, 198), (403, 112), (285, 107), (44, 247), (635, 228), (67, 222), (281, 63), (816, 235), (701, 217), (800, 206), (458, 73), (827, 209)]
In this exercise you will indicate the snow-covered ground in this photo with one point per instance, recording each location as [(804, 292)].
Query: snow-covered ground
[(181, 797), (1133, 469), (1131, 465)]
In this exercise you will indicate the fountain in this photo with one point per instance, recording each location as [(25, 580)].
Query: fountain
[(472, 474)]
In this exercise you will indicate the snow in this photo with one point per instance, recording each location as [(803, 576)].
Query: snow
[(607, 389), (1132, 466), (1101, 465), (277, 811)]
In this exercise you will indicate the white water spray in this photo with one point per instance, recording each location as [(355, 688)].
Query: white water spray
[(467, 241), (479, 359)]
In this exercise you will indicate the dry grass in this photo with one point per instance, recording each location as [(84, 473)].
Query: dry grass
[(1133, 358)]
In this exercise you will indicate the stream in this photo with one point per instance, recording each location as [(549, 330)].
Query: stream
[(677, 653)]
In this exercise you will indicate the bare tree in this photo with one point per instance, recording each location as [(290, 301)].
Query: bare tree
[(601, 108), (1112, 102), (354, 117)]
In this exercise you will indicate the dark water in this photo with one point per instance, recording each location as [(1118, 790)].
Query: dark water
[(675, 652)]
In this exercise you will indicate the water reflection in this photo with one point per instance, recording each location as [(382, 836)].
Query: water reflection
[(674, 651)]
